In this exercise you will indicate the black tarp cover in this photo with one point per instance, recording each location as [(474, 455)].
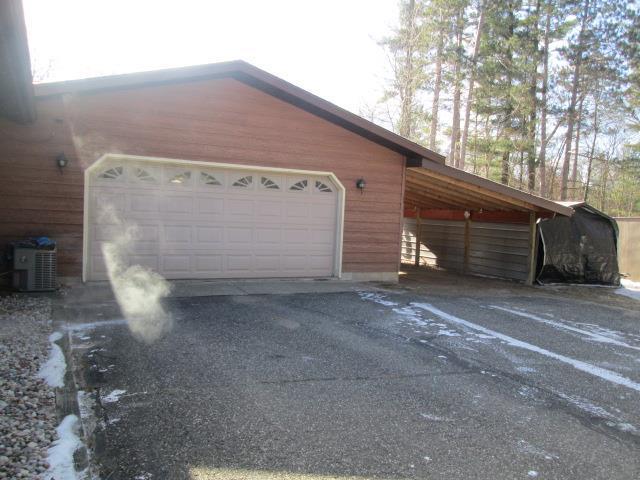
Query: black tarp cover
[(579, 249)]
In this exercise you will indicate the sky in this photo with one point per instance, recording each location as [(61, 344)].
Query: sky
[(328, 48)]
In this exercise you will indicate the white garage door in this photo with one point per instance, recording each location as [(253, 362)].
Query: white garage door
[(196, 221)]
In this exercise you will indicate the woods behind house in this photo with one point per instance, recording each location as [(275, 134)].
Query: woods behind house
[(542, 95)]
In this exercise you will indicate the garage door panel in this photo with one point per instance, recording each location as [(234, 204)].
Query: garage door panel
[(239, 207), (295, 236), (210, 205), (296, 210), (209, 237), (208, 264), (149, 261), (144, 203), (180, 204), (270, 208), (268, 236), (174, 264), (177, 235), (319, 262), (323, 237), (238, 235), (239, 263), (198, 222), (264, 263)]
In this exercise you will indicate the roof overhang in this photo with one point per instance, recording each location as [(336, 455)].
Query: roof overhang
[(256, 78), (435, 186), (16, 89)]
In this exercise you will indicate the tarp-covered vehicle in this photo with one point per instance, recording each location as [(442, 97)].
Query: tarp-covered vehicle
[(578, 249)]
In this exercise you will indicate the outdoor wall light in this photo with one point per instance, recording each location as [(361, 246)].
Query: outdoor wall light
[(360, 184), (62, 161)]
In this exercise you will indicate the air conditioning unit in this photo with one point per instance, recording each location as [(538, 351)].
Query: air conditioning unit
[(34, 270)]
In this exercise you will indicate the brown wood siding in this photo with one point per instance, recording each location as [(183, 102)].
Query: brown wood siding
[(219, 120), (35, 198)]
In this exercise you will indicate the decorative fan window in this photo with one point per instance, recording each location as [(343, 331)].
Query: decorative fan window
[(323, 187), (268, 183), (144, 176), (299, 186), (209, 179), (181, 178), (244, 182), (112, 173)]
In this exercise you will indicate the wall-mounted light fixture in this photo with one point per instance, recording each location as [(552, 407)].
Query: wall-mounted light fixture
[(61, 161), (360, 184)]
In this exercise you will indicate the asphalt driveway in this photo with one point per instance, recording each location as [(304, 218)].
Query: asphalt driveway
[(415, 381)]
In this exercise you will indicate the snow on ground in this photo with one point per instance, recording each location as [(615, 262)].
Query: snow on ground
[(603, 336), (113, 396), (61, 464), (629, 289), (53, 370), (377, 298)]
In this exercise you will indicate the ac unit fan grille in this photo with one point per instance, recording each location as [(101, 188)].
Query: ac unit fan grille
[(45, 274)]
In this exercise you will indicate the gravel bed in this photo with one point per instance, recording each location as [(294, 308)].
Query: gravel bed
[(27, 403)]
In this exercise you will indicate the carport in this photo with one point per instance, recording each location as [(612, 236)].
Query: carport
[(461, 222)]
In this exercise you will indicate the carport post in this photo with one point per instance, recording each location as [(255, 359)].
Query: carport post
[(467, 242), (418, 235), (532, 248)]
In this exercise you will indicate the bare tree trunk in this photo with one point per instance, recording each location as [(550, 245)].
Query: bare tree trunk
[(405, 124), (472, 81), (435, 104), (475, 145), (533, 95), (454, 152), (571, 111), (576, 151), (543, 103), (603, 181), (504, 176), (593, 147)]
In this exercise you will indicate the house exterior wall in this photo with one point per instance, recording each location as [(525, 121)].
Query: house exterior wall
[(217, 120)]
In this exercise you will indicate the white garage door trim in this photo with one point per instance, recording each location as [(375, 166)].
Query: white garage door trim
[(111, 157)]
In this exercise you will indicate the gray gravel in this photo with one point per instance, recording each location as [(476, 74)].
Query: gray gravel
[(27, 404)]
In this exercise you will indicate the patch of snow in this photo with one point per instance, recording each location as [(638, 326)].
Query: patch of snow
[(411, 315), (434, 418), (524, 369), (629, 289), (597, 337), (526, 447), (587, 406), (532, 473), (585, 367), (60, 458), (53, 370), (79, 327), (623, 426), (114, 396), (377, 298), (448, 333)]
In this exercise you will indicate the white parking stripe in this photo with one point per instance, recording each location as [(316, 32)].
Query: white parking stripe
[(592, 335), (602, 373)]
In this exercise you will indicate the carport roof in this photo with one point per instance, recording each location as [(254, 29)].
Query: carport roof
[(435, 186)]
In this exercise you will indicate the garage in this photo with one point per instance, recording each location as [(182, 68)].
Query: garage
[(211, 220)]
